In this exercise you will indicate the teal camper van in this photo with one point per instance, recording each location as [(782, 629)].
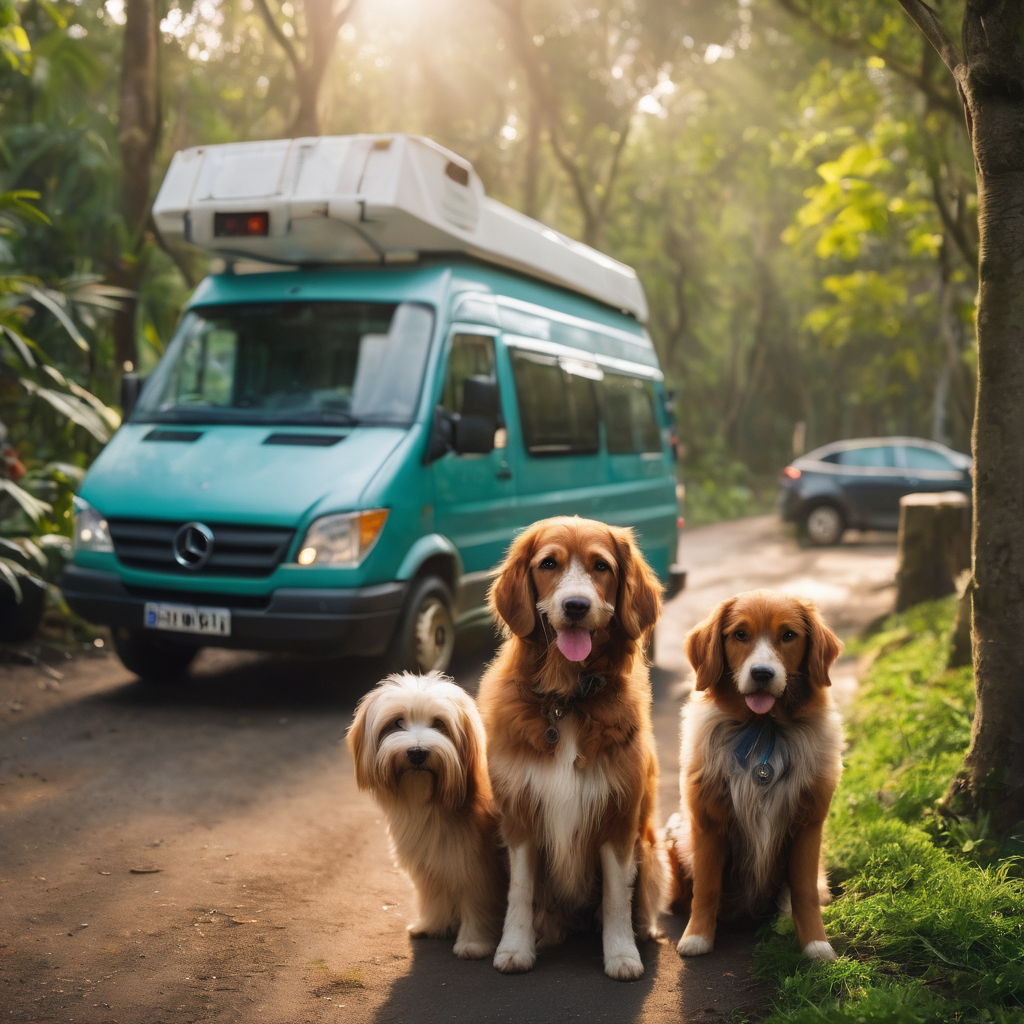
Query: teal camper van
[(333, 454)]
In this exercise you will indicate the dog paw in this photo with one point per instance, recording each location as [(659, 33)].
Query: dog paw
[(510, 960), (424, 930), (624, 967), (819, 950), (473, 949), (694, 945)]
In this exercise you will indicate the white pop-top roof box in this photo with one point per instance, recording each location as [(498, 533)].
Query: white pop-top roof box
[(370, 198)]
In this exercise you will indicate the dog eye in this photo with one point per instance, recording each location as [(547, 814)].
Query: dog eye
[(549, 563), (439, 726), (399, 723), (788, 635), (602, 566), (741, 635)]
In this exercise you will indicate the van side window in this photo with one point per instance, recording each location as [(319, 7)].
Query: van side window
[(558, 408), (631, 424), (472, 355)]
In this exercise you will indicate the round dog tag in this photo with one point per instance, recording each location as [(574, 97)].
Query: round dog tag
[(551, 735), (764, 773)]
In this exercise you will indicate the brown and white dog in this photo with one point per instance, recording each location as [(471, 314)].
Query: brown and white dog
[(760, 760), (418, 745), (566, 705)]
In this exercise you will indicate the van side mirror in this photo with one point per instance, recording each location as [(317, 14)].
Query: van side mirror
[(131, 386), (481, 411)]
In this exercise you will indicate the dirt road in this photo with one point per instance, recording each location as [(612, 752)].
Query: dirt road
[(201, 853)]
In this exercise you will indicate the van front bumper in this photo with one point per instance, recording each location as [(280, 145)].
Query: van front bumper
[(320, 622)]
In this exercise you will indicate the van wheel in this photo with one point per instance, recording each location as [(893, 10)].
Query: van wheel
[(152, 658), (425, 637), (823, 525)]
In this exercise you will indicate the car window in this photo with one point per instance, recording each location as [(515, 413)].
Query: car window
[(882, 457), (833, 457), (472, 355), (631, 424), (926, 458), (558, 408)]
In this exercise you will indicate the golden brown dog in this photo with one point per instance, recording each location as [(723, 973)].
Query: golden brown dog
[(418, 745), (760, 759), (566, 706)]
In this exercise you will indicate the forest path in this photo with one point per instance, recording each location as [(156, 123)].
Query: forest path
[(272, 896)]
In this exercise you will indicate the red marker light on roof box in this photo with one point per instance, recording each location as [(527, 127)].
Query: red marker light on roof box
[(241, 225)]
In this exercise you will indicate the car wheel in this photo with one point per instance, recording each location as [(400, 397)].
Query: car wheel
[(152, 658), (19, 620), (823, 525), (425, 637)]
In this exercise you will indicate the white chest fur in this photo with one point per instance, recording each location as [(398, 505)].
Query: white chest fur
[(568, 802), (803, 753)]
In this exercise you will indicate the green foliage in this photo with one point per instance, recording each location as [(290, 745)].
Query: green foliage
[(929, 925)]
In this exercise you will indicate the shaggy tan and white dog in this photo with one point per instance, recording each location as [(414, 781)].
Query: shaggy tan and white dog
[(418, 745)]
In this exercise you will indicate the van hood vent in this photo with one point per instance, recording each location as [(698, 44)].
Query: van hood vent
[(306, 440), (161, 434)]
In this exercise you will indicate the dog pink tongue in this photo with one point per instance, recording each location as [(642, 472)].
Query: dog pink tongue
[(574, 643), (760, 703)]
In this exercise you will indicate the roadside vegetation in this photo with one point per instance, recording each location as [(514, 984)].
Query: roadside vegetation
[(929, 917)]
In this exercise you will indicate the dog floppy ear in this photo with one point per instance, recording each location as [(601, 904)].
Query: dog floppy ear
[(511, 595), (639, 600), (360, 744), (705, 647), (823, 646), (471, 741)]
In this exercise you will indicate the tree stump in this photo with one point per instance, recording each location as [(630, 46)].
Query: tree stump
[(934, 546)]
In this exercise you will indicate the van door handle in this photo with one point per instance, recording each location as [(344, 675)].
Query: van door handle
[(503, 472)]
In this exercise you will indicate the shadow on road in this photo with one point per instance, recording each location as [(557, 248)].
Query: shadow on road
[(568, 983)]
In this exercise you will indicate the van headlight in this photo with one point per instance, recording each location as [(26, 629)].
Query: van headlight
[(343, 540), (91, 530)]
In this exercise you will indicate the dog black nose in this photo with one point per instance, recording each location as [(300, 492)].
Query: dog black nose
[(417, 754), (575, 608), (762, 674)]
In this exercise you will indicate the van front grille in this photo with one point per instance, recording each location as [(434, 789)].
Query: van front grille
[(236, 550)]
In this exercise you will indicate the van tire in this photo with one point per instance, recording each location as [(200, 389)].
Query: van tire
[(152, 658), (425, 637)]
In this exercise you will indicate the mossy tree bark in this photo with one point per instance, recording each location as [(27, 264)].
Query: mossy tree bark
[(990, 81)]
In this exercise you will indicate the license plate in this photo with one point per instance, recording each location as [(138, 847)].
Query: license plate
[(187, 618)]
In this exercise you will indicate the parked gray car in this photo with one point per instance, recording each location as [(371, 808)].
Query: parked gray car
[(858, 484)]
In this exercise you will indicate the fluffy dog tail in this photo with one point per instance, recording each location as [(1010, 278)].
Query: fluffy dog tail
[(676, 841)]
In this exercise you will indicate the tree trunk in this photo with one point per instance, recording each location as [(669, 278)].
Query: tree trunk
[(995, 762), (990, 79), (138, 135), (934, 546)]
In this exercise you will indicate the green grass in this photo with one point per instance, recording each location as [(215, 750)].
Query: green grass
[(929, 920)]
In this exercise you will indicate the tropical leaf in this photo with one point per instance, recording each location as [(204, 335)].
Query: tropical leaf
[(73, 474), (20, 346), (52, 301), (17, 202), (31, 505), (110, 416), (23, 551), (9, 573), (76, 409)]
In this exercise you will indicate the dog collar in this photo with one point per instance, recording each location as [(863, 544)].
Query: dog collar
[(555, 710), (759, 733)]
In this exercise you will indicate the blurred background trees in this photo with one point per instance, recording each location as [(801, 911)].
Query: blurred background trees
[(791, 178)]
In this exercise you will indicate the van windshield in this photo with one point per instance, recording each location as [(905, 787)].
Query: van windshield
[(334, 363)]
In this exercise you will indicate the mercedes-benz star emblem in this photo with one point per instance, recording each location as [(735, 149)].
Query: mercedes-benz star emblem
[(193, 545)]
